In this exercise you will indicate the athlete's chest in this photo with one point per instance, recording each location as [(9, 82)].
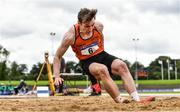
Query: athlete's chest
[(80, 42)]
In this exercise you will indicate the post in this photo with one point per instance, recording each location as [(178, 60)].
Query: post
[(50, 77), (52, 38), (168, 69), (175, 70), (162, 72), (87, 81), (135, 40)]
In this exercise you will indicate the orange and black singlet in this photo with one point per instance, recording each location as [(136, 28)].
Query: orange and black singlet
[(86, 48)]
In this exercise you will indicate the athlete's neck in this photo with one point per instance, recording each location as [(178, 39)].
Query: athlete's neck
[(85, 35)]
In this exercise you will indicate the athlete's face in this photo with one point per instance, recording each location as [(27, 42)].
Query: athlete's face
[(87, 27)]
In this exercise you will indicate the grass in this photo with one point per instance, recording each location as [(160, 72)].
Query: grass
[(159, 82), (83, 83), (30, 83), (156, 82)]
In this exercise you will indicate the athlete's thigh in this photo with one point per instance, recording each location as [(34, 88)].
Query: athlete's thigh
[(108, 61)]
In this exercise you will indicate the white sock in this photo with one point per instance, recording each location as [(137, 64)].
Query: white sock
[(135, 96)]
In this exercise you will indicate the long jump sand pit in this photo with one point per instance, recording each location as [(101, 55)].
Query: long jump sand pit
[(86, 103)]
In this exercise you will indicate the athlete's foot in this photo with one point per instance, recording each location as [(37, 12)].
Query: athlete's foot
[(95, 94), (147, 100), (124, 100)]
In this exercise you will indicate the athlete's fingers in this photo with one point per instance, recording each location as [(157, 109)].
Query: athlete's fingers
[(55, 82), (58, 81)]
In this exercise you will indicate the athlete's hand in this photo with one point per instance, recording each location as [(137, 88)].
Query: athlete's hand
[(58, 80)]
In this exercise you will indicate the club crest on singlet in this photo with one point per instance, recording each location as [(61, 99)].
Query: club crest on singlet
[(89, 49)]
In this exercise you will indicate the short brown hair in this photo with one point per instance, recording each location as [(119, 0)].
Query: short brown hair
[(86, 15)]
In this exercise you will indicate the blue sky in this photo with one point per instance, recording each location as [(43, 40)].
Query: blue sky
[(25, 27)]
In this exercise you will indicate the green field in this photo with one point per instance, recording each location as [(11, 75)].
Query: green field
[(83, 83), (156, 82)]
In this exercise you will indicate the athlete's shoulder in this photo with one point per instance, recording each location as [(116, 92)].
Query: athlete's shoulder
[(99, 26), (70, 35)]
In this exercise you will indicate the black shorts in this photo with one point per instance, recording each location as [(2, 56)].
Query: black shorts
[(102, 58)]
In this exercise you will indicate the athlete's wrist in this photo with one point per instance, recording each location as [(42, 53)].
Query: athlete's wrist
[(56, 76)]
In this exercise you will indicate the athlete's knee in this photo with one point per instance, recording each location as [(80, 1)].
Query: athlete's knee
[(103, 71)]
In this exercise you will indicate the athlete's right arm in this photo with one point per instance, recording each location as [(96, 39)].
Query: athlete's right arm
[(68, 40)]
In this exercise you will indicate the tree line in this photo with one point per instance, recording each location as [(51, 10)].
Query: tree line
[(14, 71)]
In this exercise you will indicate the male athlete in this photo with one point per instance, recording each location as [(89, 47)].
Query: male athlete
[(87, 41)]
